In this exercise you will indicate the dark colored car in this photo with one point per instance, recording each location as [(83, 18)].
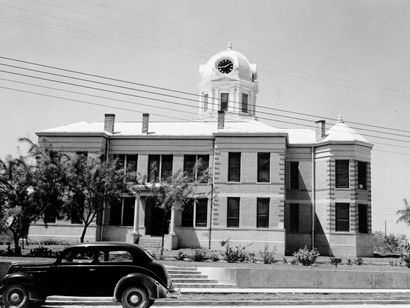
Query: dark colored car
[(122, 270)]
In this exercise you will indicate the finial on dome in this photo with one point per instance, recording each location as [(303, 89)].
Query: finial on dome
[(229, 46), (339, 119)]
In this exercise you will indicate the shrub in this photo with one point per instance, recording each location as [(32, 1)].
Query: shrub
[(234, 255), (199, 255), (215, 257), (359, 261), (405, 258), (268, 257), (41, 252), (180, 255), (250, 257), (305, 256), (389, 244), (334, 260)]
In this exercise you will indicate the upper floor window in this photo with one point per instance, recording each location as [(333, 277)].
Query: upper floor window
[(294, 175), (262, 213), (195, 167), (263, 167), (363, 222), (362, 174), (205, 102), (127, 162), (244, 107), (159, 167), (294, 217), (224, 101), (234, 167), (343, 217), (342, 173), (232, 213)]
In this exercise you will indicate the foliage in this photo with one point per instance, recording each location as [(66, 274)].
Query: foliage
[(404, 214), (180, 255), (268, 257), (18, 209), (92, 183), (305, 256), (389, 244), (215, 257), (234, 255), (405, 258), (199, 255), (41, 252)]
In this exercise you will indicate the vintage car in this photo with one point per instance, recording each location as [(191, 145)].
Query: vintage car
[(121, 270)]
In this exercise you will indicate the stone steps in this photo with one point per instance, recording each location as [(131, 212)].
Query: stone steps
[(191, 277)]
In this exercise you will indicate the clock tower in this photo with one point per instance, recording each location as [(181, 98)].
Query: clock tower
[(229, 83)]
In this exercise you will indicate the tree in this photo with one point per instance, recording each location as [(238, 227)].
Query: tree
[(404, 213), (174, 192), (18, 210), (91, 184)]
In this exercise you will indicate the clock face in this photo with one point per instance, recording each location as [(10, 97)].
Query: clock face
[(225, 66)]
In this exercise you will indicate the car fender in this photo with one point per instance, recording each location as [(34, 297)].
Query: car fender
[(35, 287), (154, 288)]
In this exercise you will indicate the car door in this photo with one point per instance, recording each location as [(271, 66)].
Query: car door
[(75, 273), (112, 265)]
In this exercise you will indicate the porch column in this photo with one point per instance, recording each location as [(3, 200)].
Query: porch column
[(172, 222), (135, 230)]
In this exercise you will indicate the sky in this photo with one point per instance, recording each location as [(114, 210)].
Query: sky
[(321, 58)]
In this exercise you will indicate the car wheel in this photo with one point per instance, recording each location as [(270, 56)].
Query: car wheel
[(16, 296), (135, 297)]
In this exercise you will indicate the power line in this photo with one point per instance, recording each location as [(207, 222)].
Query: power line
[(176, 91)]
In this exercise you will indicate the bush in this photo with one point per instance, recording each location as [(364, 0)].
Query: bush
[(359, 261), (41, 252), (268, 257), (405, 258), (389, 244), (234, 255), (215, 257), (180, 255), (199, 255), (305, 256)]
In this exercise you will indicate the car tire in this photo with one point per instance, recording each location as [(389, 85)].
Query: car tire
[(135, 297), (16, 296)]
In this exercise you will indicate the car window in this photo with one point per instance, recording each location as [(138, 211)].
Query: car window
[(75, 256), (114, 256)]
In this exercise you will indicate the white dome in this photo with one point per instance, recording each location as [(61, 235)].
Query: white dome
[(242, 69)]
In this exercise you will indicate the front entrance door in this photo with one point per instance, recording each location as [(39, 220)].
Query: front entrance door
[(154, 218)]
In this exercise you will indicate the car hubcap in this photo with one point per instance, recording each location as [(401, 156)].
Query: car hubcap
[(15, 297), (134, 299)]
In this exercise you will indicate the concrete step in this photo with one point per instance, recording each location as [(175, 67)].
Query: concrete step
[(193, 280), (203, 285), (176, 276)]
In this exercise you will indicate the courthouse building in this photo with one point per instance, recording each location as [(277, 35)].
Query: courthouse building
[(285, 188)]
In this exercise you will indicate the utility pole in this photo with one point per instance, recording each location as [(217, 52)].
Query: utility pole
[(385, 227)]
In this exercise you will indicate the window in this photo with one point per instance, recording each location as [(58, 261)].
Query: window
[(294, 217), (201, 214), (195, 167), (234, 167), (294, 175), (263, 167), (114, 257), (342, 217), (233, 213), (188, 214), (244, 103), (262, 213), (120, 161), (159, 167), (342, 174), (362, 174), (128, 163), (363, 227), (224, 101), (122, 212), (78, 256), (206, 102), (76, 212)]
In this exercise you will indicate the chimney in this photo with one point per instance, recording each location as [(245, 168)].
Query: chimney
[(320, 130), (109, 120), (221, 119), (145, 122)]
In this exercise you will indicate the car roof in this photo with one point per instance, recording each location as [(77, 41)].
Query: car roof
[(122, 245)]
